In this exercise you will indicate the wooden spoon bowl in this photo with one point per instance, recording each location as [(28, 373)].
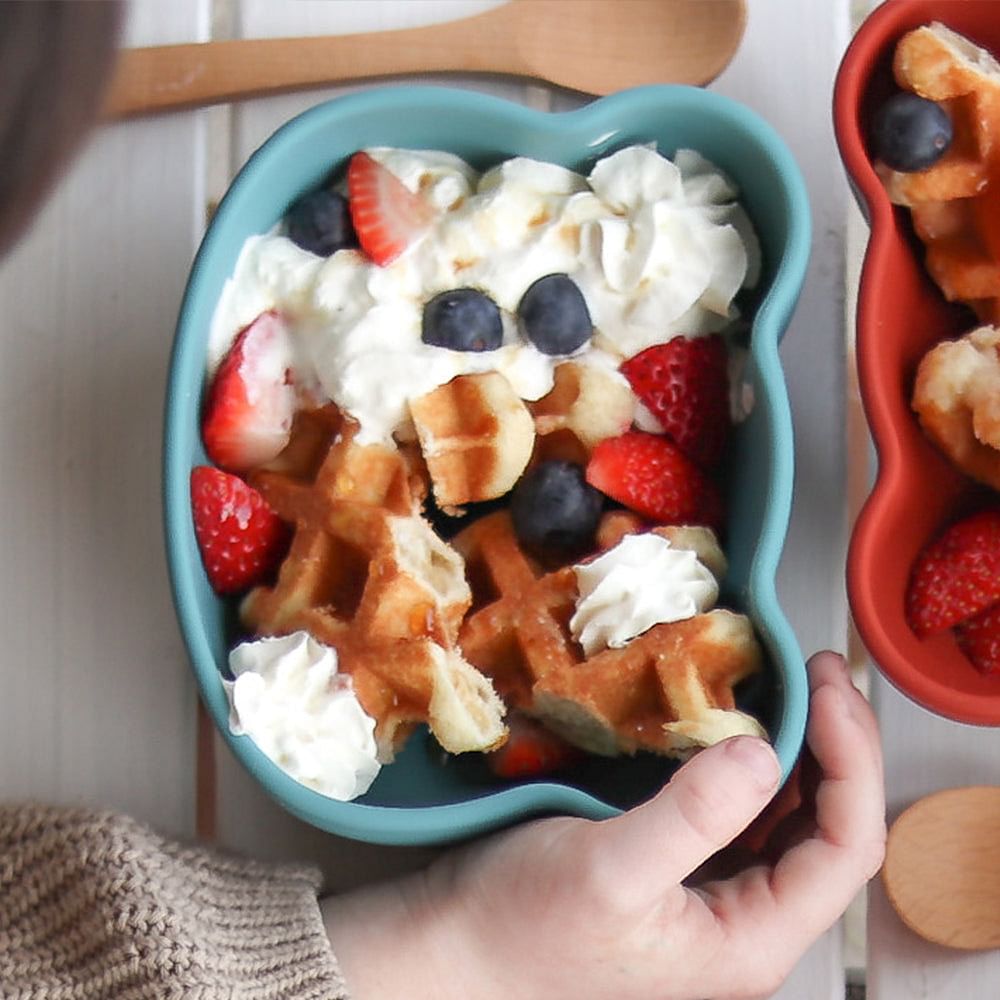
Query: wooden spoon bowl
[(942, 867), (593, 46)]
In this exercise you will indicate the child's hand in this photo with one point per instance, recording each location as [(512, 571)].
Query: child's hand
[(579, 909)]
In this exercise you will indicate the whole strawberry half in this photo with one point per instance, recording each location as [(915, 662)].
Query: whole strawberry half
[(387, 215), (250, 402), (979, 638), (531, 750), (650, 474), (685, 384), (241, 539), (957, 575)]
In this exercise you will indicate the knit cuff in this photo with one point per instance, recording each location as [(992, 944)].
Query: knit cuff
[(95, 905)]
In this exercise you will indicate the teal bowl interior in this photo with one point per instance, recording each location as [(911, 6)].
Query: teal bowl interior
[(422, 797)]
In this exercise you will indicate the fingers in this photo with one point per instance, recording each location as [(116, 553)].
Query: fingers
[(710, 800), (814, 882)]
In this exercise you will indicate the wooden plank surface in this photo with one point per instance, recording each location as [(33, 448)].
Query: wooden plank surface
[(96, 702)]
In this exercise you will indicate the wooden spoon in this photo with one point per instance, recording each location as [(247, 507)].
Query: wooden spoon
[(594, 46), (942, 867)]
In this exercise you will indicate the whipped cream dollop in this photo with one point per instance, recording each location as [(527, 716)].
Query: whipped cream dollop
[(657, 247), (289, 698), (641, 582)]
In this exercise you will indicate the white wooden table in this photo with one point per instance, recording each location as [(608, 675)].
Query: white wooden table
[(96, 701)]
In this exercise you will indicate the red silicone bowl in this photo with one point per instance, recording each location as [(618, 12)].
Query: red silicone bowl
[(900, 315)]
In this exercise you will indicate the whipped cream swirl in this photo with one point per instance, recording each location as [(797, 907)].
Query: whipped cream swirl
[(639, 583), (289, 698)]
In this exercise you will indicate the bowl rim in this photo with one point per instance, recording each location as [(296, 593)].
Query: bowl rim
[(440, 823), (880, 30)]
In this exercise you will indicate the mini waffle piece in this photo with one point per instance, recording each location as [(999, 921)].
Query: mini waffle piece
[(955, 203), (585, 405), (366, 575), (476, 435), (669, 691), (956, 395)]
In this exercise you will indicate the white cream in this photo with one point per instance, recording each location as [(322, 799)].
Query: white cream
[(288, 697), (657, 248), (639, 583)]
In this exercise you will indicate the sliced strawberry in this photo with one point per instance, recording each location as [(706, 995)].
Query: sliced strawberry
[(387, 215), (250, 403), (531, 750), (685, 384), (979, 639), (241, 539), (957, 575), (652, 476)]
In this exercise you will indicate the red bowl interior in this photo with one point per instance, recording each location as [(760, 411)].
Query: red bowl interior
[(901, 314)]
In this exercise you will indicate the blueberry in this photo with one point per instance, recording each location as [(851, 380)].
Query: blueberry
[(554, 315), (320, 222), (910, 133), (553, 507), (462, 319)]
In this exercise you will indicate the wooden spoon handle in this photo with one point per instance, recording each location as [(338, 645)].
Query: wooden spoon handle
[(169, 77)]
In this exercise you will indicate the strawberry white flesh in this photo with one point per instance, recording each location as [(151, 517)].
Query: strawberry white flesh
[(388, 217), (250, 404)]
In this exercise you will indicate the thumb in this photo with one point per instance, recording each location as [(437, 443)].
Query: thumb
[(707, 803)]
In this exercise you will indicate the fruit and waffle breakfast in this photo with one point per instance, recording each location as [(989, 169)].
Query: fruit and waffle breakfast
[(937, 151), (469, 436)]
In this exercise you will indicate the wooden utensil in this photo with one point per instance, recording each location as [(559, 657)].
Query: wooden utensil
[(594, 46), (942, 867)]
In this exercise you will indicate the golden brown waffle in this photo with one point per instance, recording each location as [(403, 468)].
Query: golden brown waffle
[(955, 204), (585, 405), (956, 395), (670, 690), (366, 575), (476, 436)]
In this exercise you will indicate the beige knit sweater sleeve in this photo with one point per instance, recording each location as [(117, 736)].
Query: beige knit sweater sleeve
[(94, 906)]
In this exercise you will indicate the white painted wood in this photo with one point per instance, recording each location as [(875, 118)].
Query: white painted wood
[(924, 754), (97, 700)]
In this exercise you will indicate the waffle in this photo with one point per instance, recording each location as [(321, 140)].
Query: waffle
[(669, 691), (585, 405), (956, 395), (955, 203), (366, 575), (476, 436)]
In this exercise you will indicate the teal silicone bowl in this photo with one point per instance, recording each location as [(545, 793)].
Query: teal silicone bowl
[(424, 797)]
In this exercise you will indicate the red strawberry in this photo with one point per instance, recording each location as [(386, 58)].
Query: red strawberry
[(957, 575), (685, 384), (979, 639), (531, 750), (250, 404), (652, 476), (387, 215), (241, 539)]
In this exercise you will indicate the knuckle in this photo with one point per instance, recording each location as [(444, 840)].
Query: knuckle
[(702, 809), (873, 855)]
